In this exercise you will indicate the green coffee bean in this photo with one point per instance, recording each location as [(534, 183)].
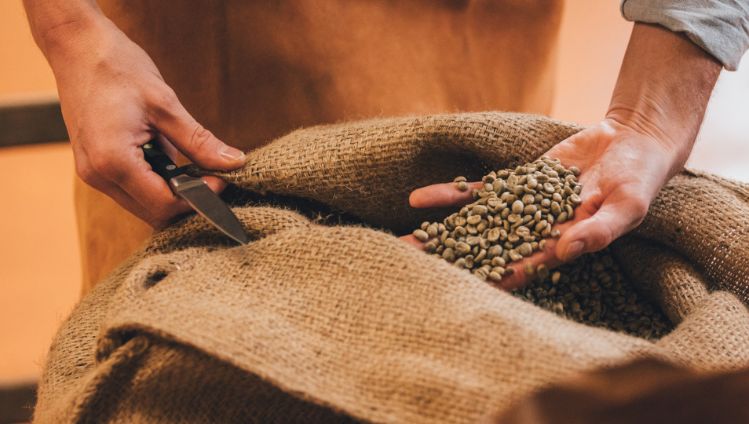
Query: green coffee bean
[(517, 207), (525, 249), (421, 235), (462, 248)]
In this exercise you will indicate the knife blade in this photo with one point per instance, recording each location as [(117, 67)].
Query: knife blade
[(195, 192)]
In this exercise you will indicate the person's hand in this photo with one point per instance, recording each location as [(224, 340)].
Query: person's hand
[(652, 121), (114, 100), (622, 170)]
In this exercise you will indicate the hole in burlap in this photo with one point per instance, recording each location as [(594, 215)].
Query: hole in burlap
[(158, 267), (154, 277)]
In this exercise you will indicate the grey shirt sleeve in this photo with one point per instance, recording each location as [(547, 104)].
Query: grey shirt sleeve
[(720, 27)]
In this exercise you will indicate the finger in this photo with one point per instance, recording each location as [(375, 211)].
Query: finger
[(130, 204), (519, 276), (609, 222), (143, 192), (413, 241), (441, 195), (111, 190), (215, 183), (153, 194), (97, 176), (192, 139), (174, 154), (134, 176), (164, 213), (591, 201)]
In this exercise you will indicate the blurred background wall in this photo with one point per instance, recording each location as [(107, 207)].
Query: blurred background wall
[(39, 263)]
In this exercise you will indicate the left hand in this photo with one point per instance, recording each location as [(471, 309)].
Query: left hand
[(622, 170)]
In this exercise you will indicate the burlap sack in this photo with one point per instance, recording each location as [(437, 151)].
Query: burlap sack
[(319, 320)]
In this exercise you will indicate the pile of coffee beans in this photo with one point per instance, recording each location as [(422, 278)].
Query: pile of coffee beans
[(511, 217), (593, 290)]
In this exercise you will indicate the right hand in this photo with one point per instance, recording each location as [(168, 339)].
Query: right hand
[(114, 100)]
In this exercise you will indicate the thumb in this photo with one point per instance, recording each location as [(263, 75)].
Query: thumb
[(611, 221), (173, 121)]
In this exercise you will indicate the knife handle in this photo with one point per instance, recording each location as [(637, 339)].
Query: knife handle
[(160, 162)]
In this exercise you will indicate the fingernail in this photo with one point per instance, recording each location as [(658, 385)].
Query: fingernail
[(573, 250), (231, 153)]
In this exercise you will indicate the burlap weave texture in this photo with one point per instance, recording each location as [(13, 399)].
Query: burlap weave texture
[(317, 322)]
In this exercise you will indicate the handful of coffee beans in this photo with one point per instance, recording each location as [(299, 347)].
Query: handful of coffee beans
[(510, 218)]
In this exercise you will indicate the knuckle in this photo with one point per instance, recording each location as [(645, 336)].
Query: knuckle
[(638, 204), (108, 166), (598, 241), (163, 214), (98, 164), (158, 220), (86, 173), (640, 208), (606, 237), (599, 235), (163, 99), (102, 165), (154, 218), (201, 138)]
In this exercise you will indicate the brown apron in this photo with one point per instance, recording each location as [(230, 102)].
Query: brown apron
[(251, 71)]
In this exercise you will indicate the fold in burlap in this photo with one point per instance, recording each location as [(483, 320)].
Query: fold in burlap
[(313, 322)]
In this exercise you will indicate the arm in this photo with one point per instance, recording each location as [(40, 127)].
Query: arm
[(720, 27), (655, 113), (648, 132), (113, 101)]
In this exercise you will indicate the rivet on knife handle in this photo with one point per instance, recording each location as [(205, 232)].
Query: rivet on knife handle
[(160, 162)]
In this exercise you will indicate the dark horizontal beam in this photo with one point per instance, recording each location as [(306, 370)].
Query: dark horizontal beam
[(31, 122), (17, 402)]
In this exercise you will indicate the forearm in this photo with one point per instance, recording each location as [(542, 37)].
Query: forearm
[(663, 88), (721, 27), (55, 23)]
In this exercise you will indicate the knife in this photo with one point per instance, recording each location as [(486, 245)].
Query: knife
[(195, 192)]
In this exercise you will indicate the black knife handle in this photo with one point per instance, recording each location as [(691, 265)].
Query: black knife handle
[(160, 162)]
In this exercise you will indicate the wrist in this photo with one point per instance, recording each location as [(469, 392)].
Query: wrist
[(653, 124), (85, 45), (646, 117), (662, 91), (652, 137), (61, 34)]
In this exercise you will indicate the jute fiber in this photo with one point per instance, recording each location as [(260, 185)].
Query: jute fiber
[(322, 320)]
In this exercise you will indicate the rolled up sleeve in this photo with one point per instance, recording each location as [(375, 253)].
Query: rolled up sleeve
[(720, 27)]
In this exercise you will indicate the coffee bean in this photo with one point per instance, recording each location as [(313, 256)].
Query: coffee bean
[(517, 207), (525, 249), (462, 248), (473, 219), (421, 235)]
